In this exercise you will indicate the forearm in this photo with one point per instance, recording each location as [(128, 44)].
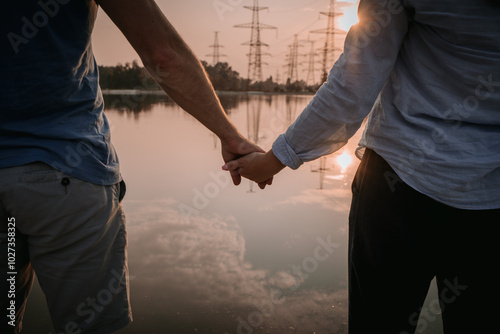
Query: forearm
[(170, 61), (181, 75)]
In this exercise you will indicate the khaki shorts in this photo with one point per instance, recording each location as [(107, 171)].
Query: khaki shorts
[(72, 234)]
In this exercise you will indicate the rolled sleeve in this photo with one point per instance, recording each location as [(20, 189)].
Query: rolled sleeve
[(285, 153)]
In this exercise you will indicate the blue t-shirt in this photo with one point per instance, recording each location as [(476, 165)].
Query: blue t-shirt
[(51, 106)]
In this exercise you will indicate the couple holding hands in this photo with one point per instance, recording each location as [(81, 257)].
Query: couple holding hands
[(426, 196)]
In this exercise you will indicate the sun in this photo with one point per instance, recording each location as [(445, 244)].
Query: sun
[(349, 18), (344, 160)]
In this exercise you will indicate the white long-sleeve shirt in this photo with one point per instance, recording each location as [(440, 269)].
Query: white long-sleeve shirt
[(429, 73)]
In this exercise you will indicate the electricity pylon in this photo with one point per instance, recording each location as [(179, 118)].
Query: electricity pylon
[(255, 55), (216, 53), (311, 65), (293, 60), (277, 79), (329, 48)]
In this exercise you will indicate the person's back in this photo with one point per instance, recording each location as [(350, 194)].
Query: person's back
[(438, 122), (429, 73), (52, 107), (59, 174)]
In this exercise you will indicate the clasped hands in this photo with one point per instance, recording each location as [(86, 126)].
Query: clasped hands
[(244, 158), (256, 166)]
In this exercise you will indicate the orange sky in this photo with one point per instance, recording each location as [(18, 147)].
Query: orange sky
[(196, 21)]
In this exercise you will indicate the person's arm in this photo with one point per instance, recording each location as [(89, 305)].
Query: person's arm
[(339, 107), (177, 70)]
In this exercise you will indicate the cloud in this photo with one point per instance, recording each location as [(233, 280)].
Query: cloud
[(198, 266), (203, 258)]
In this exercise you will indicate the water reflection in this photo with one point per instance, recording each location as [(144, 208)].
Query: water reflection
[(254, 110), (321, 170), (197, 274), (208, 257), (291, 110), (137, 102)]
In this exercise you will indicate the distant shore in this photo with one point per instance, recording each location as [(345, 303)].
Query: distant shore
[(160, 92)]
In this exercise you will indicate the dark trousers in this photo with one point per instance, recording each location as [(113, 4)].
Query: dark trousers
[(400, 239)]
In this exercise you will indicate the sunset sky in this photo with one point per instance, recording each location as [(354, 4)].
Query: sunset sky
[(197, 20)]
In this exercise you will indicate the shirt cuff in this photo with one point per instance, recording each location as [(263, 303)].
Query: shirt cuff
[(285, 153)]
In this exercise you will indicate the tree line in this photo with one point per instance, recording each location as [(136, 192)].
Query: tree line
[(223, 77)]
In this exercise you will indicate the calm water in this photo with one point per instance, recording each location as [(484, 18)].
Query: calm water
[(208, 257)]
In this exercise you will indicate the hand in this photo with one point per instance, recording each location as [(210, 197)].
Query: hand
[(236, 147), (257, 166)]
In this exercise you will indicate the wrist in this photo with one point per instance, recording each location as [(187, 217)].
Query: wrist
[(274, 164), (229, 135)]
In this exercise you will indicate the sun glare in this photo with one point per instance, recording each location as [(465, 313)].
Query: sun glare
[(349, 18), (344, 160)]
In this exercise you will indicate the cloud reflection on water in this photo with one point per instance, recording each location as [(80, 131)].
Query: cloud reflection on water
[(195, 273)]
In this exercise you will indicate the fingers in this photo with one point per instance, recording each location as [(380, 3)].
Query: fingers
[(240, 168), (262, 185), (232, 167), (236, 177)]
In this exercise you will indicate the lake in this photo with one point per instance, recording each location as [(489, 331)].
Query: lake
[(208, 257)]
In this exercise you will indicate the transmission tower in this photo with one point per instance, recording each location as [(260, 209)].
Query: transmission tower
[(329, 48), (216, 53), (293, 60), (277, 79), (311, 67), (255, 55)]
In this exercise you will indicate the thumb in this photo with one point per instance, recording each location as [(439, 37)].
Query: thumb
[(231, 166)]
